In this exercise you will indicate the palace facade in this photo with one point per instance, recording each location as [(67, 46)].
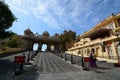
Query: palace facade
[(103, 38)]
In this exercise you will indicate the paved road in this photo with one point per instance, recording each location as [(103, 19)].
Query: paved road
[(49, 63), (46, 66)]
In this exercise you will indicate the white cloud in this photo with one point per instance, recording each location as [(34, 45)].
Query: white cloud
[(59, 14), (23, 11), (19, 6)]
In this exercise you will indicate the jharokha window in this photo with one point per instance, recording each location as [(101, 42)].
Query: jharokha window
[(119, 22)]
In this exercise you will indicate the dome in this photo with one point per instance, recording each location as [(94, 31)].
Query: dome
[(28, 32), (45, 34)]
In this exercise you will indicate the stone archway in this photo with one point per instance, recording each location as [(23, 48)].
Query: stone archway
[(52, 47), (30, 39), (35, 46), (93, 50), (44, 47), (79, 52)]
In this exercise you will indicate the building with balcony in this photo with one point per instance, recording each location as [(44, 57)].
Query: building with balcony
[(103, 39)]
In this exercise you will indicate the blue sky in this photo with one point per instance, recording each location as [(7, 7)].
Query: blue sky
[(55, 16)]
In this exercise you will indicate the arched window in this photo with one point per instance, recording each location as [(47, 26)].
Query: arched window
[(35, 46), (44, 47)]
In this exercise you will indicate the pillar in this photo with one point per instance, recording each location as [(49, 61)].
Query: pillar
[(29, 45), (60, 47), (40, 46), (48, 47), (57, 47)]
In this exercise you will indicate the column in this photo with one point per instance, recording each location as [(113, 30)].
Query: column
[(48, 47), (40, 46), (29, 45)]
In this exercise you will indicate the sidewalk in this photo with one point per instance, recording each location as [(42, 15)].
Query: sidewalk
[(107, 60)]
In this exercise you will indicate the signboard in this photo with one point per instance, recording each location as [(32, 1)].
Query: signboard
[(86, 59), (19, 59)]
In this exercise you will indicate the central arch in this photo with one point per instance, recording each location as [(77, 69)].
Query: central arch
[(52, 47), (35, 46), (30, 41), (44, 47)]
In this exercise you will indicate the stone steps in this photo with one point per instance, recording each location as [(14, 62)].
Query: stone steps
[(49, 63)]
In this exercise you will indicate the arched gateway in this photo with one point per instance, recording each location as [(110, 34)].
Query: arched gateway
[(30, 39)]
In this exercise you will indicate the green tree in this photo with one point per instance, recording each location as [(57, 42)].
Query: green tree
[(63, 38), (6, 34), (12, 43), (6, 20)]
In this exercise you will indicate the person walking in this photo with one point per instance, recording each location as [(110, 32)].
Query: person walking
[(91, 59)]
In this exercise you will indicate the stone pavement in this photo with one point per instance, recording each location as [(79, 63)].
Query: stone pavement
[(46, 66)]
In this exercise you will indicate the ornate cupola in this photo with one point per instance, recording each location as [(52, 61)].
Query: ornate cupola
[(45, 34), (28, 32)]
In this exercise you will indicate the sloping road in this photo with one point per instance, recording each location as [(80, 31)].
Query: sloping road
[(47, 66), (49, 63)]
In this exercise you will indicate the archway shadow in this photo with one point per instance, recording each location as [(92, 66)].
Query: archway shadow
[(5, 66), (7, 71)]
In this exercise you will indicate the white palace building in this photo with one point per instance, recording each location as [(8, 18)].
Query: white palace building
[(103, 38)]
